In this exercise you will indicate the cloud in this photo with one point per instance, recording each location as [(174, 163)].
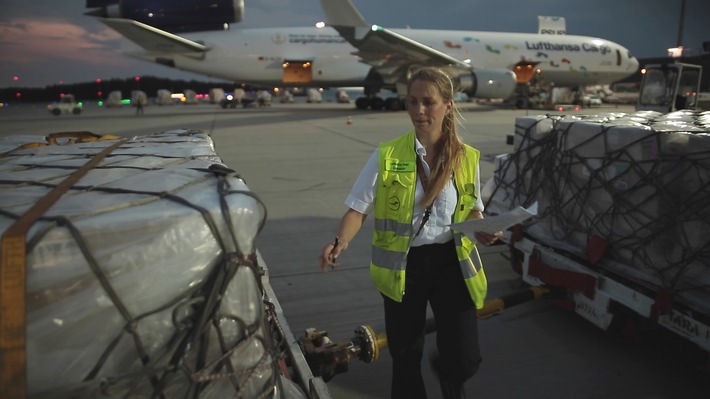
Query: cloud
[(38, 40)]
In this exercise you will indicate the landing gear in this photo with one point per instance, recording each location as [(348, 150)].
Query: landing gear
[(378, 103)]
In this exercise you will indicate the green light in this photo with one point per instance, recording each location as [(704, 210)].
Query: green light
[(81, 104), (101, 103), (375, 28)]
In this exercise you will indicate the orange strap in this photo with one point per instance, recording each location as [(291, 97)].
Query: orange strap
[(13, 357)]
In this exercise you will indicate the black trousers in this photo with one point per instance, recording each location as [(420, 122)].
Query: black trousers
[(433, 277)]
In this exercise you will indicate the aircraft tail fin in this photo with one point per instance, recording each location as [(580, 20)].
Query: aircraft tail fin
[(153, 39), (342, 13)]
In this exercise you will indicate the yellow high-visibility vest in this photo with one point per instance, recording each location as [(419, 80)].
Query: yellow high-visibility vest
[(394, 207)]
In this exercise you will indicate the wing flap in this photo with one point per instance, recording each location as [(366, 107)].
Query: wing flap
[(393, 54), (153, 39), (390, 53)]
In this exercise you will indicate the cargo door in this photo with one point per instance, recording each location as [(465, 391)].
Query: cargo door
[(298, 72), (524, 71)]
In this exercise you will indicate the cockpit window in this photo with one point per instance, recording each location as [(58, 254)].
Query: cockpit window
[(618, 57)]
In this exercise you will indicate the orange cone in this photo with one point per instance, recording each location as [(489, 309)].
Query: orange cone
[(350, 121)]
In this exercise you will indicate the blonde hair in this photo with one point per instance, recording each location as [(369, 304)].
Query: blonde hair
[(449, 148)]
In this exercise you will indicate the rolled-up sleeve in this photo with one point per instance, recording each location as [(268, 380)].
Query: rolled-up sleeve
[(362, 195)]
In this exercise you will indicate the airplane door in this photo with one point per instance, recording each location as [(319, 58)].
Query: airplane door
[(298, 72)]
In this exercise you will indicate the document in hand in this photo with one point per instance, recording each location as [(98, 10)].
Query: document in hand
[(493, 224)]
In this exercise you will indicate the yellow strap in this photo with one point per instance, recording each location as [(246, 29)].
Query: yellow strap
[(13, 356)]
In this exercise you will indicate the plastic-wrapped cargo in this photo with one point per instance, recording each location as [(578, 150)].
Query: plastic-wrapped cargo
[(638, 182), (143, 279)]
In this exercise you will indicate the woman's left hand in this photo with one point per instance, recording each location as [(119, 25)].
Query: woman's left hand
[(487, 238)]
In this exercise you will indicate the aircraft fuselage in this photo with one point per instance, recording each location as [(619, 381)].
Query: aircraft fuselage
[(260, 56)]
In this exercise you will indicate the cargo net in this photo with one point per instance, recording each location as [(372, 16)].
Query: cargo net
[(631, 191), (142, 280)]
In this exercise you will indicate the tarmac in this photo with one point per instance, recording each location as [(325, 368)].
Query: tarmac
[(302, 159)]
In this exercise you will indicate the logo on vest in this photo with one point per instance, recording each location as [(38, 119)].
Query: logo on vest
[(394, 165), (393, 203)]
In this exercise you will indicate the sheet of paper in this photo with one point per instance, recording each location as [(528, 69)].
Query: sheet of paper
[(492, 224)]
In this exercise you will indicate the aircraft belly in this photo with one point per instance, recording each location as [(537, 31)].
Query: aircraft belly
[(339, 70), (270, 71)]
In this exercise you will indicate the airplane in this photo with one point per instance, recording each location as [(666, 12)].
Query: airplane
[(348, 52)]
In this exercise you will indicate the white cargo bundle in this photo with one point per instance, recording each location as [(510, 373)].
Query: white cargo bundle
[(628, 192), (142, 280)]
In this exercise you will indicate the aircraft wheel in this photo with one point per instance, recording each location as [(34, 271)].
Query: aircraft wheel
[(522, 103), (56, 112), (378, 104), (394, 104), (362, 103)]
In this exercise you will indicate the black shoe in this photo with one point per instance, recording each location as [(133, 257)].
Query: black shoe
[(449, 389)]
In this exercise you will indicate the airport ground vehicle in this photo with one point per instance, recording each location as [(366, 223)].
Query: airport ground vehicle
[(67, 104), (592, 101), (670, 87), (621, 229), (232, 100)]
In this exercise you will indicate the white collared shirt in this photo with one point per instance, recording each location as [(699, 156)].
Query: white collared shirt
[(436, 229)]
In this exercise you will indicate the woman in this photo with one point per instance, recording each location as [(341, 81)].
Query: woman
[(417, 185)]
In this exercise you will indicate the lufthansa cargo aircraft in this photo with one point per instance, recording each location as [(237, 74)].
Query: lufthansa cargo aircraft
[(346, 51)]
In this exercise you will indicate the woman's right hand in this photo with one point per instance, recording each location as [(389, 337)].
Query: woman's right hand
[(350, 224), (330, 253)]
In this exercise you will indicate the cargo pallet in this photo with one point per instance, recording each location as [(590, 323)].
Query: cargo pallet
[(596, 292)]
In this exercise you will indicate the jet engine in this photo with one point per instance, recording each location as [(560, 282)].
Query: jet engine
[(488, 83), (175, 16)]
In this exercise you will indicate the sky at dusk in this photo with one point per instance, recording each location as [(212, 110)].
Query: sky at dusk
[(45, 42)]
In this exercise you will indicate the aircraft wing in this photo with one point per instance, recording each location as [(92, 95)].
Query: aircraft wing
[(390, 53), (153, 39)]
